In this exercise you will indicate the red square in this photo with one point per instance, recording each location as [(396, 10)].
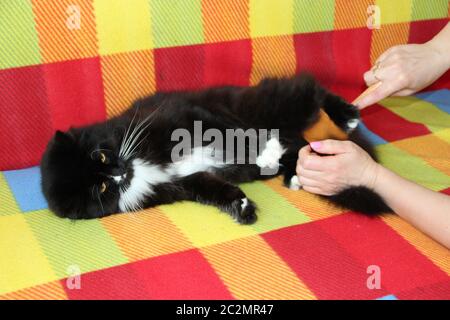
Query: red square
[(75, 92), (185, 275), (351, 51), (437, 291), (314, 52), (25, 122), (228, 63), (423, 31), (370, 241), (321, 263), (179, 68), (117, 283), (389, 125)]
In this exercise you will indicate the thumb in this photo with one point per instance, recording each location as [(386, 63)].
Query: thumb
[(330, 146)]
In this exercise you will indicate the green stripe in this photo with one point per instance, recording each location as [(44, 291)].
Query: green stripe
[(429, 9), (18, 37), (83, 243), (178, 23), (412, 167), (274, 211), (313, 15), (419, 111), (8, 204)]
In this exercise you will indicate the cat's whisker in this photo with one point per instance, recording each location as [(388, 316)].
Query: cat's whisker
[(125, 138), (141, 127), (134, 133), (137, 145), (100, 201)]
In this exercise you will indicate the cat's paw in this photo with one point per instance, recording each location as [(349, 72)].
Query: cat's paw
[(294, 183), (244, 211), (345, 115), (352, 124)]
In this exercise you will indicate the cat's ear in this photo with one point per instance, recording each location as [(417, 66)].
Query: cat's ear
[(62, 137)]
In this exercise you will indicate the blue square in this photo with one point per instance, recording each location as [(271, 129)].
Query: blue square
[(26, 187), (372, 137), (388, 297), (440, 98)]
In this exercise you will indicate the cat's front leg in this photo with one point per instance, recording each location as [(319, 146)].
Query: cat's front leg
[(346, 116), (210, 189)]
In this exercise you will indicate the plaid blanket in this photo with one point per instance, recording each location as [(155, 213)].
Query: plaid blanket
[(73, 62)]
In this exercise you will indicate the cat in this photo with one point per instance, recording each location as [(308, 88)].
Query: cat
[(127, 163)]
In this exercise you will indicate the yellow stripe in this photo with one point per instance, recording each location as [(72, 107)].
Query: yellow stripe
[(272, 57), (252, 270)]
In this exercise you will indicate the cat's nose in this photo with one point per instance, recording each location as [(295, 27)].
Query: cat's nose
[(118, 171)]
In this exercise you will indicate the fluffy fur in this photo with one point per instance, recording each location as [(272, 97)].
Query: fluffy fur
[(124, 164)]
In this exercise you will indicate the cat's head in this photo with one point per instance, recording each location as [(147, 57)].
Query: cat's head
[(82, 174)]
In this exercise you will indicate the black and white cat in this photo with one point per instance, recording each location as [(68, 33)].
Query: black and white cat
[(127, 163)]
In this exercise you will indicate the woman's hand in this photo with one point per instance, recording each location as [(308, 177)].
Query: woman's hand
[(346, 164), (406, 69)]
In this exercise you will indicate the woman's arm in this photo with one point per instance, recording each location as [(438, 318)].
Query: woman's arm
[(427, 210), (349, 165)]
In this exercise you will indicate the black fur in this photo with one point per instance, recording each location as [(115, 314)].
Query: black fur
[(72, 173)]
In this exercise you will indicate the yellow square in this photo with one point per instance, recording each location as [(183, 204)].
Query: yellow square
[(205, 225), (395, 11), (271, 18), (22, 262), (123, 27), (444, 135)]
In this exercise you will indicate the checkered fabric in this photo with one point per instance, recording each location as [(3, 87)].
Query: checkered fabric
[(71, 62)]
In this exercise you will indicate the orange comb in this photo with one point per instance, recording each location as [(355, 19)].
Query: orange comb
[(325, 128)]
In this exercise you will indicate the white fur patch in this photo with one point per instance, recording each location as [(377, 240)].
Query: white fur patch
[(352, 124), (295, 183), (244, 203), (270, 156), (201, 159), (147, 175)]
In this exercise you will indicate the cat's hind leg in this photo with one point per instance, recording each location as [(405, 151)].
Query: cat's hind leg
[(207, 188)]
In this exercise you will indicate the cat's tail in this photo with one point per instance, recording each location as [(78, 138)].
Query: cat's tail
[(359, 198)]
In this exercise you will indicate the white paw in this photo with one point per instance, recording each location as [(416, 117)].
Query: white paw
[(294, 184), (352, 124), (244, 203), (270, 156)]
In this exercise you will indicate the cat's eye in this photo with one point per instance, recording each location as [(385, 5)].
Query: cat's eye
[(102, 187), (102, 157)]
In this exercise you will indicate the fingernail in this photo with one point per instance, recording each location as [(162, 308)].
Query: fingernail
[(316, 145)]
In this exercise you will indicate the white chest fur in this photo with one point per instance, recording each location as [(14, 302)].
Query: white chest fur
[(147, 175)]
